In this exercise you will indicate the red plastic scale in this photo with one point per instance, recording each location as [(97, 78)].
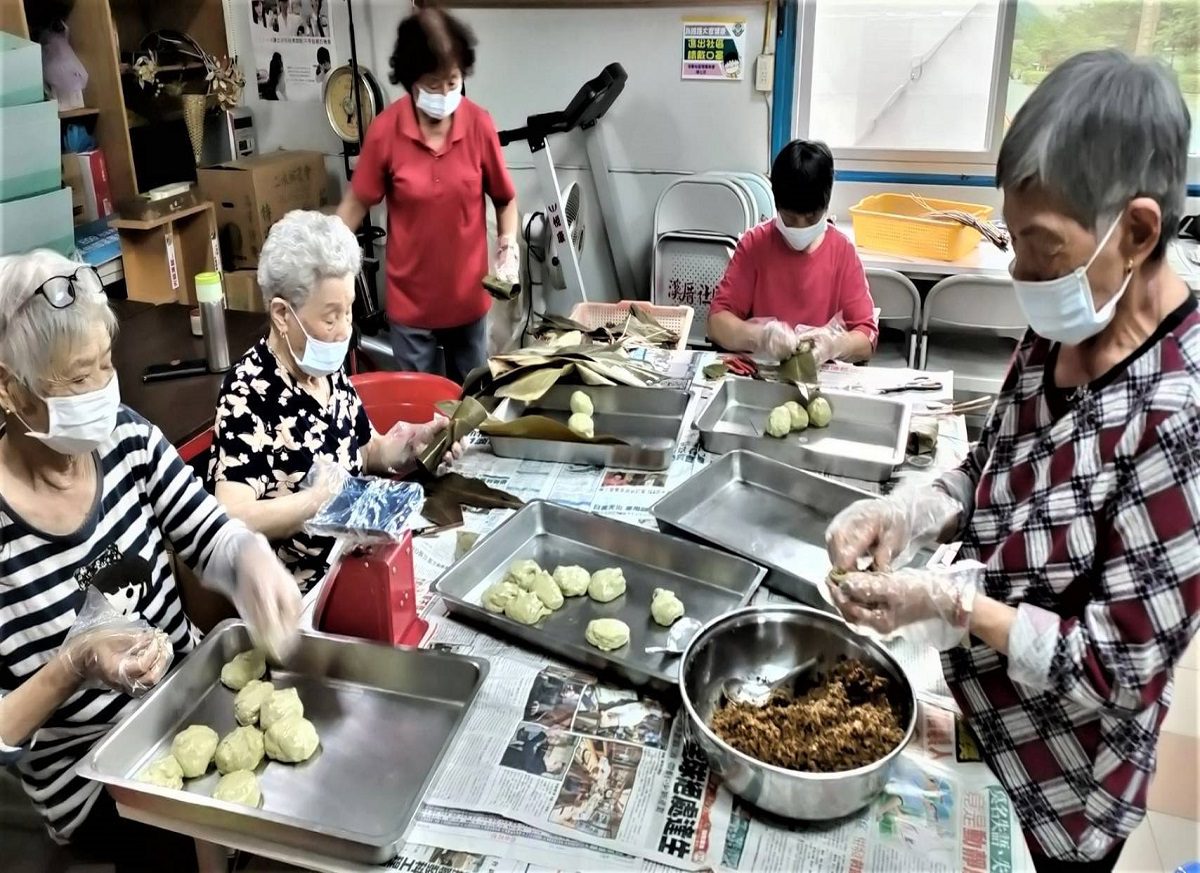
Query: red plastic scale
[(372, 595)]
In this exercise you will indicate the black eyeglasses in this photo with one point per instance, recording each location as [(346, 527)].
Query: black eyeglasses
[(61, 291)]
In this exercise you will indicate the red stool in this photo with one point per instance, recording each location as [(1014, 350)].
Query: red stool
[(411, 397)]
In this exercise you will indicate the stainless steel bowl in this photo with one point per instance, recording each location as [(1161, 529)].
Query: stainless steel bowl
[(766, 641)]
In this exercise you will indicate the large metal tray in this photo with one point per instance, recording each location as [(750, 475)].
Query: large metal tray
[(648, 419), (866, 439), (385, 717), (764, 510), (709, 582)]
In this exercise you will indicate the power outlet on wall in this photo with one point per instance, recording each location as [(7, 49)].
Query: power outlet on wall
[(764, 73)]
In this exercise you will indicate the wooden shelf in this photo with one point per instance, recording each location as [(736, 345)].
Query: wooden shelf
[(81, 112), (151, 223)]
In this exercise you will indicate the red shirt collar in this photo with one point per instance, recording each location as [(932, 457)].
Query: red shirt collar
[(410, 128)]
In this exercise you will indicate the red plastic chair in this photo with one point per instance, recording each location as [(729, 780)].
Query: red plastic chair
[(412, 397)]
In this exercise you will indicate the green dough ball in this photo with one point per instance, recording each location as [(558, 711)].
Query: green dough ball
[(581, 404), (165, 773), (607, 634), (607, 584), (572, 581), (526, 608), (798, 413), (820, 413), (241, 749), (244, 667), (291, 740), (581, 425), (522, 573), (498, 596), (665, 607), (278, 706), (240, 786), (193, 748), (250, 700), (779, 422), (548, 591)]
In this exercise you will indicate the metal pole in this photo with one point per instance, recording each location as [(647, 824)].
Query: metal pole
[(354, 72)]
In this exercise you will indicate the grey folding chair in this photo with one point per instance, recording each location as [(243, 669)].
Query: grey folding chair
[(899, 307), (971, 326)]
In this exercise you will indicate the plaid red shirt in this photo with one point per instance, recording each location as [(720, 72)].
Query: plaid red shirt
[(1087, 517)]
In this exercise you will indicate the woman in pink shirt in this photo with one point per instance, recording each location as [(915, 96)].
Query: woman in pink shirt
[(791, 277)]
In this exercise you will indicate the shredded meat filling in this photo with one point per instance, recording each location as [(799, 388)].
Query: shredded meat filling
[(844, 722)]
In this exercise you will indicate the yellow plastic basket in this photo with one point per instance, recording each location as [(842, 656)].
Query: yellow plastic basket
[(896, 223), (673, 318)]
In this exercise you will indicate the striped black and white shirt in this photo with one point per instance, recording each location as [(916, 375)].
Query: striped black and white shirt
[(147, 497)]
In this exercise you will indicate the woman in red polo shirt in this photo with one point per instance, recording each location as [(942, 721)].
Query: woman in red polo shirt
[(434, 155)]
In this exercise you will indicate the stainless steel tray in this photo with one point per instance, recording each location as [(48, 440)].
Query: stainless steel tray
[(764, 510), (648, 419), (385, 717), (709, 582), (866, 439)]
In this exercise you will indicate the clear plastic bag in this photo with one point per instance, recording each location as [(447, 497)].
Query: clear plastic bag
[(107, 649), (367, 508)]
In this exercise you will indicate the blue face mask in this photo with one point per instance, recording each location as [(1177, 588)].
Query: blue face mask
[(801, 238), (320, 358)]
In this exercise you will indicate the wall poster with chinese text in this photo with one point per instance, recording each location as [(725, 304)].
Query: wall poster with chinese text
[(714, 48)]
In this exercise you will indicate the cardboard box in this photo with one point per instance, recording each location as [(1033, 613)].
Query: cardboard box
[(91, 172), (29, 162), (42, 222), (250, 194), (20, 71), (242, 292), (161, 257)]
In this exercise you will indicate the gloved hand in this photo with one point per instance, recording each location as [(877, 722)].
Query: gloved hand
[(404, 442), (129, 659), (323, 480), (826, 342), (508, 260), (890, 529), (929, 606), (265, 595), (776, 340)]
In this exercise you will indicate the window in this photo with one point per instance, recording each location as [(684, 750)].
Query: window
[(1048, 33)]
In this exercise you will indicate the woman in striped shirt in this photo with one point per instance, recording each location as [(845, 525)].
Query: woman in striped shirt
[(90, 495)]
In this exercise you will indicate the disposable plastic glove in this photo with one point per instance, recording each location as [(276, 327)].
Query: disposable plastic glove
[(890, 529), (404, 442), (323, 480), (508, 260), (266, 595), (104, 648), (930, 606), (776, 340)]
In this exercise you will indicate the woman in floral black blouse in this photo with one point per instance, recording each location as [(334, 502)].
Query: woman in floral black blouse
[(287, 404)]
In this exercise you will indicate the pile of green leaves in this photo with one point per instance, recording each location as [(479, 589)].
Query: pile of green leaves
[(638, 328)]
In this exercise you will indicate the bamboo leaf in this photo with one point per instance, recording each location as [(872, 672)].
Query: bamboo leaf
[(533, 385)]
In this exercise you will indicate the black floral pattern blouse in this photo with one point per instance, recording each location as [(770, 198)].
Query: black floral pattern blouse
[(268, 433)]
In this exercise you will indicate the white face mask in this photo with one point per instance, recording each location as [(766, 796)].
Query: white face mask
[(80, 423), (801, 238), (320, 358), (1064, 309), (439, 106)]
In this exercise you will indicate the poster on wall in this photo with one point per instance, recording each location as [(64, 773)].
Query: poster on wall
[(714, 48), (293, 47)]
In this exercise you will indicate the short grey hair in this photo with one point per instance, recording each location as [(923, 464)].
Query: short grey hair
[(35, 338), (303, 248), (1100, 130)]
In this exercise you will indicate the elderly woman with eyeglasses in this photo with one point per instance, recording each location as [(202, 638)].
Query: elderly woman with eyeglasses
[(1079, 507), (287, 407), (90, 496)]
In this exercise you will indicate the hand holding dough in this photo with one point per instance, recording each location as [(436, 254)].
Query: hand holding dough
[(607, 584), (279, 705), (244, 667), (607, 634), (526, 608), (241, 749), (547, 591), (193, 748), (498, 596), (572, 581), (665, 607), (522, 573), (165, 773), (291, 740), (250, 699), (240, 786)]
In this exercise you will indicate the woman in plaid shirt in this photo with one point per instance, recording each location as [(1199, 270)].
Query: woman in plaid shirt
[(1079, 508)]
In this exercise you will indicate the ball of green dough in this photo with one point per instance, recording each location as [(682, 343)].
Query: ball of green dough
[(572, 581), (240, 749), (497, 596), (607, 634), (548, 591), (279, 705), (291, 740), (249, 701), (522, 573), (165, 773), (240, 786), (244, 667), (607, 584), (665, 607), (581, 404), (779, 422), (526, 608), (193, 748), (820, 413), (582, 426), (798, 413)]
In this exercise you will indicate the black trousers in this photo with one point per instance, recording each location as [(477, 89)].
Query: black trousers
[(1104, 865), (105, 837)]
